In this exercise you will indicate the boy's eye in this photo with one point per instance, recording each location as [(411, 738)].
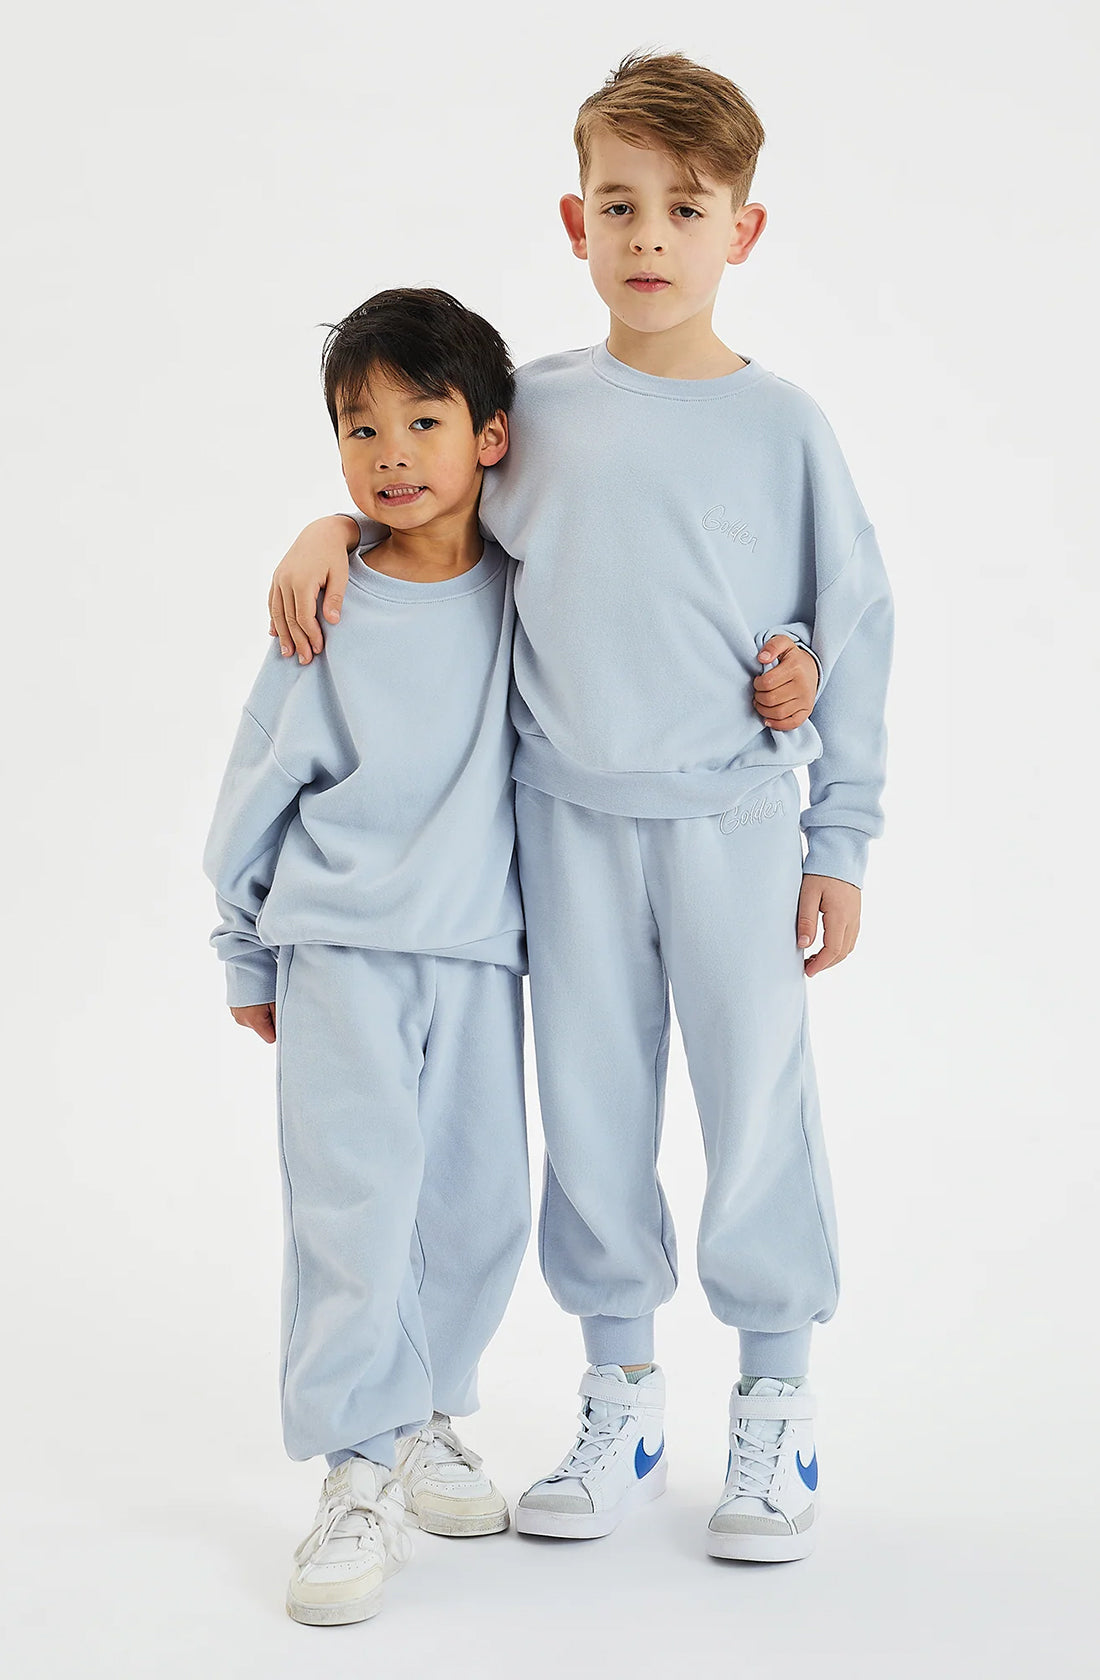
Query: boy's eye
[(363, 432), (614, 209), (687, 212), (426, 421)]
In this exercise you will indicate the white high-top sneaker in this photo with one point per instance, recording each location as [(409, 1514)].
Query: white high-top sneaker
[(616, 1463), (769, 1506), (446, 1490), (358, 1538)]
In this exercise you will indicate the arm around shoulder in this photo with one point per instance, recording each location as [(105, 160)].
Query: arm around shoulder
[(315, 562)]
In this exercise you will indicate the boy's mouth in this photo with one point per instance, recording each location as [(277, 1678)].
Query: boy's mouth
[(399, 495), (648, 283)]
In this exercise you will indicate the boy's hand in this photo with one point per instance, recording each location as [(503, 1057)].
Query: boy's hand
[(837, 903), (260, 1017), (316, 559), (785, 697)]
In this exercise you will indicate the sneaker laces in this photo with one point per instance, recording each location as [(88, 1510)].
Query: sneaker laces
[(355, 1519), (757, 1458), (593, 1439), (436, 1443)]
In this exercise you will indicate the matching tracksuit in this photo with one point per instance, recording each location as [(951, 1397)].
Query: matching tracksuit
[(661, 531), (363, 856)]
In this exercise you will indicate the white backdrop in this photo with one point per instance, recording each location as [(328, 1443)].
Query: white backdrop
[(194, 190)]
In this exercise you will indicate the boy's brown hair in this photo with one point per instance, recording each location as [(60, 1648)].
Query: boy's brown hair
[(698, 117)]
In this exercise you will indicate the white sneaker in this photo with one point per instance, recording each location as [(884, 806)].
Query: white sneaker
[(445, 1489), (768, 1509), (358, 1538), (616, 1463)]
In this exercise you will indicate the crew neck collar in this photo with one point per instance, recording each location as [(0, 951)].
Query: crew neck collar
[(615, 372), (406, 589)]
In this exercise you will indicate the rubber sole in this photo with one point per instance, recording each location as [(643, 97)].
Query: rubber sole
[(334, 1615), (592, 1525), (458, 1528), (763, 1548)]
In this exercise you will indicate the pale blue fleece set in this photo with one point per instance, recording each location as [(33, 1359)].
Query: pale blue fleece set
[(363, 855), (661, 531)]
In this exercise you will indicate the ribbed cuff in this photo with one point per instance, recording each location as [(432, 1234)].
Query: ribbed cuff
[(781, 1353), (839, 852), (251, 980), (618, 1341)]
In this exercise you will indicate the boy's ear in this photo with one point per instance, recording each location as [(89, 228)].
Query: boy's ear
[(750, 223), (494, 440), (572, 214)]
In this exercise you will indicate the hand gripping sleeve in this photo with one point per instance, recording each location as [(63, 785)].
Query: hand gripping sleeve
[(800, 636)]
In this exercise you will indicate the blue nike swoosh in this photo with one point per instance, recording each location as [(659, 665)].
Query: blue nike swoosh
[(808, 1472), (643, 1461)]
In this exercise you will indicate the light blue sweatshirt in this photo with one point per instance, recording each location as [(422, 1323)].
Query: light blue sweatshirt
[(368, 799), (664, 529)]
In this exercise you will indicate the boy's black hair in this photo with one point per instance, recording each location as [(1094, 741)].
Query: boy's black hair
[(425, 339)]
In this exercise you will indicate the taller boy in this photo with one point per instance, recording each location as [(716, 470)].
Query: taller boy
[(672, 505)]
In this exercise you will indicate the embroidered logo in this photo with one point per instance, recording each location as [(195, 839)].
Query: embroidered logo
[(758, 813), (714, 520)]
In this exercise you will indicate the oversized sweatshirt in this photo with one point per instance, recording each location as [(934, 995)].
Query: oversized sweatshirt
[(368, 799), (663, 530)]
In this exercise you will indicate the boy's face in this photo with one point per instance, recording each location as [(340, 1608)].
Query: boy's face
[(656, 250), (409, 459)]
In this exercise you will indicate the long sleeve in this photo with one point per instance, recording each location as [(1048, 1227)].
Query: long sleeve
[(257, 800), (369, 529), (852, 636)]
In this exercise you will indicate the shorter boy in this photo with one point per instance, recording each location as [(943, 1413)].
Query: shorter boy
[(363, 856)]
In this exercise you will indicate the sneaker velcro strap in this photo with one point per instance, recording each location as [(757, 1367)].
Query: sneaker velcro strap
[(777, 1407), (615, 1393)]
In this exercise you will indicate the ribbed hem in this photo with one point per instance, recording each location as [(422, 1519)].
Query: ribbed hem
[(838, 852), (504, 950), (379, 1449), (781, 1353), (656, 793), (507, 949), (618, 1341)]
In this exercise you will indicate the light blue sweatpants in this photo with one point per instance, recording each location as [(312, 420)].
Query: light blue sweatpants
[(616, 909), (405, 1186)]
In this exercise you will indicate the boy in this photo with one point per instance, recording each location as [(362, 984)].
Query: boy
[(363, 854), (671, 505)]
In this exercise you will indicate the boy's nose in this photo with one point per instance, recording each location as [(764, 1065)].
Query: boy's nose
[(644, 241)]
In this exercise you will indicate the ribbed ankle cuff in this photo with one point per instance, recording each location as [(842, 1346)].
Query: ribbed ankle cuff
[(618, 1341), (783, 1353)]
